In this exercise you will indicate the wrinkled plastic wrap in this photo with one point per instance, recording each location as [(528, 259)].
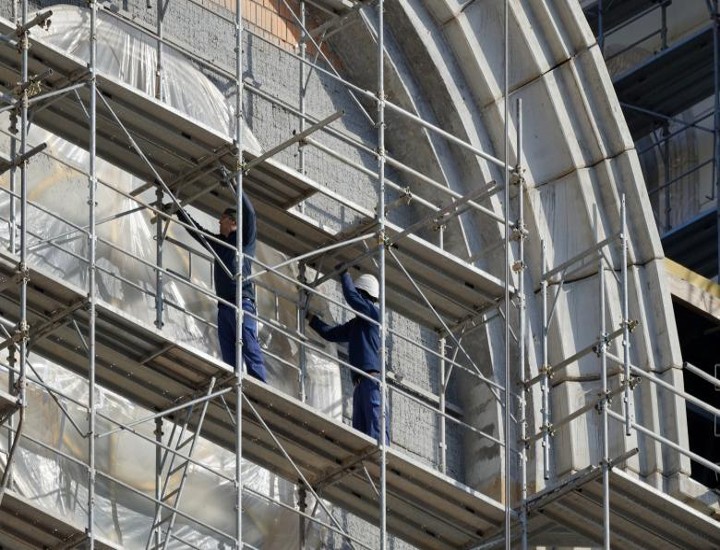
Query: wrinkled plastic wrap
[(58, 483)]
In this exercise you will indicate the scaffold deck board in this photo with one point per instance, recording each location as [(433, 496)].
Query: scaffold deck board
[(24, 525), (138, 362), (615, 14), (640, 516), (668, 83), (194, 160)]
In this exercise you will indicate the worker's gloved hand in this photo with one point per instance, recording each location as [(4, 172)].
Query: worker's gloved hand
[(309, 316), (340, 268), (168, 208)]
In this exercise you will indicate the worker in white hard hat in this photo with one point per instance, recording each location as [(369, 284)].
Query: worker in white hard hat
[(363, 338)]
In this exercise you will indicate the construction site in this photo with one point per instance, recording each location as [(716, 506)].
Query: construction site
[(533, 183)]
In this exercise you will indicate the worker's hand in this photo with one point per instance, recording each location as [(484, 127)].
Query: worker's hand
[(309, 316), (340, 268), (168, 208)]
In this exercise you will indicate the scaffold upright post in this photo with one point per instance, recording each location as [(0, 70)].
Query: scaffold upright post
[(716, 126), (157, 535), (239, 128), (521, 234), (159, 65), (159, 237), (604, 397), (507, 497), (24, 196), (443, 390), (92, 297), (626, 320), (383, 313), (302, 87), (545, 367)]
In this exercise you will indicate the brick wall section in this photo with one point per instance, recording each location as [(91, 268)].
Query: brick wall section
[(272, 20)]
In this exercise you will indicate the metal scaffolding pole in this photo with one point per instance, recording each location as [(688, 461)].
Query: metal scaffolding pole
[(544, 368), (626, 322), (604, 401), (302, 90), (92, 297), (23, 327), (443, 391), (382, 442), (238, 370), (521, 233), (506, 196), (716, 126)]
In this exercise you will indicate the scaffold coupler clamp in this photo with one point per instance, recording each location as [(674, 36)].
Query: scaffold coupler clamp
[(22, 273), (601, 345), (604, 399), (517, 176), (547, 370), (547, 428), (631, 324), (519, 231), (22, 333), (384, 240)]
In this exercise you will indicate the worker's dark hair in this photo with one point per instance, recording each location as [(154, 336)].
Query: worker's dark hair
[(231, 213)]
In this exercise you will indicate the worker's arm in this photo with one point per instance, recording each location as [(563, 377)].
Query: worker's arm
[(355, 300), (338, 333), (195, 234)]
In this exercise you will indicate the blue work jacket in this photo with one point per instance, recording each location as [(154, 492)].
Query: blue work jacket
[(362, 336), (225, 286)]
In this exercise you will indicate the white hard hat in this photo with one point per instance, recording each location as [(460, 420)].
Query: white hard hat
[(369, 284)]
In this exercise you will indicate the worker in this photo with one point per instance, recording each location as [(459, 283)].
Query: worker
[(363, 338), (226, 286)]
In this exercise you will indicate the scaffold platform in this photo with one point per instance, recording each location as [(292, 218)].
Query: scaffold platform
[(26, 526), (668, 83), (138, 362), (194, 161), (640, 516)]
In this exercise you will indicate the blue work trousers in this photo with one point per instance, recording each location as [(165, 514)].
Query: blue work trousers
[(366, 408), (251, 352)]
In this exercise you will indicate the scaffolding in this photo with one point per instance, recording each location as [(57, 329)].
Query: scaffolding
[(188, 163), (655, 94)]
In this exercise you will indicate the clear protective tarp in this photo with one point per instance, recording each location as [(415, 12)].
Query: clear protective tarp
[(57, 244)]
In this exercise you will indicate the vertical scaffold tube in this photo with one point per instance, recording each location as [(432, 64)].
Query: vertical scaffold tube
[(716, 144), (604, 407), (158, 479), (23, 325), (443, 424), (159, 260), (545, 387), (159, 67), (303, 68), (239, 123), (626, 320), (381, 229), (92, 298), (507, 416), (522, 306)]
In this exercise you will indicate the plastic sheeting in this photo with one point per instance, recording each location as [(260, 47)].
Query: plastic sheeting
[(60, 484)]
